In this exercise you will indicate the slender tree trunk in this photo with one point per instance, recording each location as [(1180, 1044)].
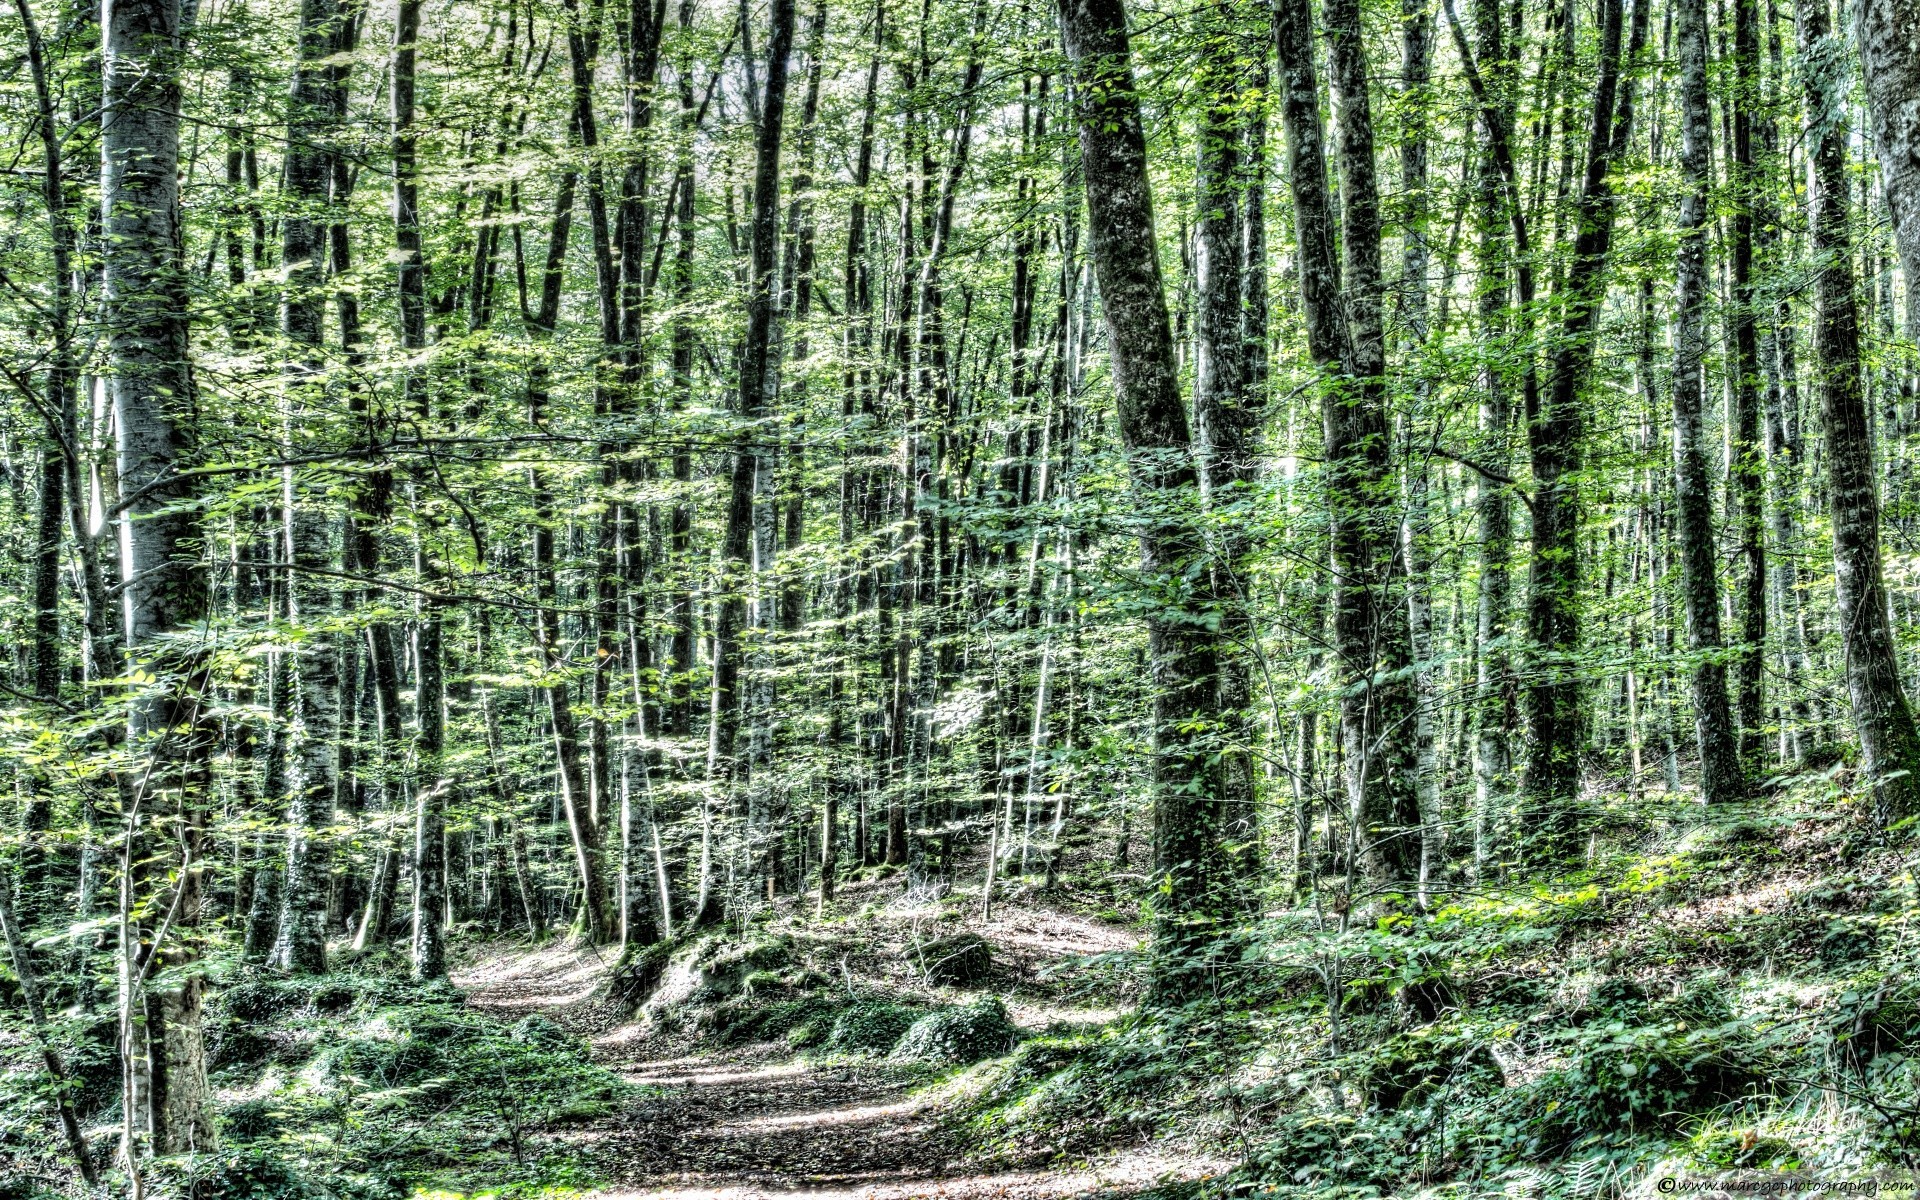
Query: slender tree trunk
[(1416, 66), (759, 376), (430, 689), (1556, 727), (13, 935), (59, 463), (1714, 730), (1227, 410), (1748, 483), (1493, 680), (1345, 340), (301, 942)]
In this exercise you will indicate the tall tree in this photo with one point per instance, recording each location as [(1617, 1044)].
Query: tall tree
[(166, 1103), (410, 291), (1187, 786), (1714, 729), (1889, 33), (759, 386), (1889, 744), (1555, 733), (1371, 638), (301, 942)]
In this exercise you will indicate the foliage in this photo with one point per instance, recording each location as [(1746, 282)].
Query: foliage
[(871, 1027), (958, 1036), (375, 1086)]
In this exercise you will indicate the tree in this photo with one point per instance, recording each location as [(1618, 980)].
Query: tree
[(1889, 744), (1187, 787), (1714, 729), (165, 1097)]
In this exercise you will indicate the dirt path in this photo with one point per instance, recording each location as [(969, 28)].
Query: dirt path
[(754, 1123)]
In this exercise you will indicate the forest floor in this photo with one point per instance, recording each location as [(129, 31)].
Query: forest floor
[(761, 1120)]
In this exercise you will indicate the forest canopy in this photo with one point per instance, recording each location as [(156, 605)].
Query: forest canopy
[(1298, 488)]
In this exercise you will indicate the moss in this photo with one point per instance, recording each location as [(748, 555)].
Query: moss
[(871, 1027), (957, 1036)]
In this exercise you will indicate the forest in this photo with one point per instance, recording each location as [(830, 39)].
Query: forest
[(964, 598)]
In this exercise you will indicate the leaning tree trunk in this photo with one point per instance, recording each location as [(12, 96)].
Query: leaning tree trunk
[(166, 1102), (1889, 745), (1187, 783), (1692, 489)]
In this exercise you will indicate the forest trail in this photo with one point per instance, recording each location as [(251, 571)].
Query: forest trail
[(756, 1122)]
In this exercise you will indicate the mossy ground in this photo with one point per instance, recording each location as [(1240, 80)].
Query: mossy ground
[(1712, 990)]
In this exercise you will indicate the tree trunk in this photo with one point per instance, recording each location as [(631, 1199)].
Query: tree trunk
[(430, 690), (1556, 728), (301, 943), (1889, 745), (1889, 34), (748, 551), (1345, 340), (1227, 411), (1187, 783), (1748, 483), (166, 1101), (1493, 506), (1714, 730)]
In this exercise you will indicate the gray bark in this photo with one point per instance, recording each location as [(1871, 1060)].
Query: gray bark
[(1345, 340), (410, 292), (301, 942), (1493, 680), (166, 1100), (1889, 745), (1153, 425), (1889, 36), (1226, 409), (1713, 725)]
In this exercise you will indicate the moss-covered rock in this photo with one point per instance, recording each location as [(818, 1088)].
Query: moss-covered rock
[(870, 1027), (961, 960), (957, 1036)]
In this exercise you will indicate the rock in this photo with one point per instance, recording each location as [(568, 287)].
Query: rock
[(962, 960), (712, 971), (872, 1027), (958, 1036)]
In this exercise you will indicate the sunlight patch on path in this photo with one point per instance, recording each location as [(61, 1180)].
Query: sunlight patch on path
[(1115, 1175), (714, 1078), (823, 1118)]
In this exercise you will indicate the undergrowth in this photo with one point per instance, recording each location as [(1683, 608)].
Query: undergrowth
[(358, 1086), (1734, 990)]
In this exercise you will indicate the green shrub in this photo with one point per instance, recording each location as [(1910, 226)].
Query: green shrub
[(961, 960), (243, 1174), (536, 1030), (1645, 1078), (957, 1036), (250, 1120)]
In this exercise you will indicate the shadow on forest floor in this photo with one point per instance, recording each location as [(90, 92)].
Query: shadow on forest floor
[(759, 1121)]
